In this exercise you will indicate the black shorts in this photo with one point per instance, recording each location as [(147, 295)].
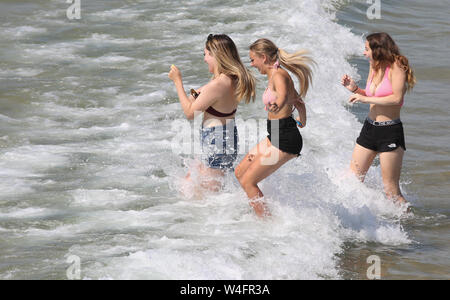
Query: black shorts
[(290, 140), (382, 138)]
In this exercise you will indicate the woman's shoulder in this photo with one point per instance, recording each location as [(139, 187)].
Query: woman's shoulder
[(397, 65), (397, 70), (222, 82), (282, 76)]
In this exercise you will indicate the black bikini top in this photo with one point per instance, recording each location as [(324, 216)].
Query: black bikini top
[(216, 113), (211, 110)]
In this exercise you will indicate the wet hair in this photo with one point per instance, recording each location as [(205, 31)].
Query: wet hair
[(385, 52), (298, 63), (225, 52)]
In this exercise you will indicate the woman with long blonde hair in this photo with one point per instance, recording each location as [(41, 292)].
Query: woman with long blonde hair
[(284, 141), (390, 77), (218, 100)]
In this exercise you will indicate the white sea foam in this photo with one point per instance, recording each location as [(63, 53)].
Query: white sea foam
[(117, 14), (106, 39), (102, 198), (110, 59), (22, 72), (34, 158), (57, 52), (30, 212), (6, 119), (23, 31)]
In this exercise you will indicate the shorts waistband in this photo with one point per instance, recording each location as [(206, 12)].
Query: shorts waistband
[(230, 124), (384, 123), (283, 123)]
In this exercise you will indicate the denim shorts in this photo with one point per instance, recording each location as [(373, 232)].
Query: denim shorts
[(220, 145)]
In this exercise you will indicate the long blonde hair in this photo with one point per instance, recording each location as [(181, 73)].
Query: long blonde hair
[(229, 63), (298, 63), (385, 52)]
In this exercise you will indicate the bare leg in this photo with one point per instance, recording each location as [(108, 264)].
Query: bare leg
[(361, 161), (258, 170), (391, 166), (247, 161), (200, 179), (189, 188), (211, 179)]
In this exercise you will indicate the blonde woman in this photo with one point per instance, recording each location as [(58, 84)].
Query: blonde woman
[(390, 77), (219, 99), (284, 141)]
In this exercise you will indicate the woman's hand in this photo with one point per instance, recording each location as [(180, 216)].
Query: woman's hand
[(355, 98), (348, 82), (273, 108), (299, 104), (175, 74), (299, 122)]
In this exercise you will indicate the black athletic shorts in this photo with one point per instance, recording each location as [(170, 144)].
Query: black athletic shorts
[(381, 138), (289, 137)]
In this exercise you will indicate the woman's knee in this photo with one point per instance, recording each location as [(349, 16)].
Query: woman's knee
[(246, 181), (239, 172)]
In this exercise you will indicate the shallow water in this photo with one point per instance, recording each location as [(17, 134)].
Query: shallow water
[(89, 119), (421, 30)]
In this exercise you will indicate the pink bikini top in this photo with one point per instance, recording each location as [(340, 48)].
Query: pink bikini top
[(384, 89), (268, 96)]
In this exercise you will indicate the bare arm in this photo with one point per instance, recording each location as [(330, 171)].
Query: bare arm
[(350, 84), (209, 95), (280, 84), (199, 90), (207, 98), (301, 108)]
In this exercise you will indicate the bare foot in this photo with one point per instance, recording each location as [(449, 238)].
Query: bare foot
[(260, 208)]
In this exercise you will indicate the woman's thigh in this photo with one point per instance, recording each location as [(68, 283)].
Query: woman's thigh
[(362, 159), (259, 149), (391, 165), (266, 163)]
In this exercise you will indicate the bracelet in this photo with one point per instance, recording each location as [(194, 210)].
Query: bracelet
[(354, 91)]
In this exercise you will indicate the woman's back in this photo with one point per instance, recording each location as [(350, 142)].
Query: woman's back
[(292, 96), (225, 104)]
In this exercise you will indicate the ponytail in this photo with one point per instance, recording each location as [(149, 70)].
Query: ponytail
[(299, 64)]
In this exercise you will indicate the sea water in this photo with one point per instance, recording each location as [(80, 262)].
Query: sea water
[(88, 169)]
